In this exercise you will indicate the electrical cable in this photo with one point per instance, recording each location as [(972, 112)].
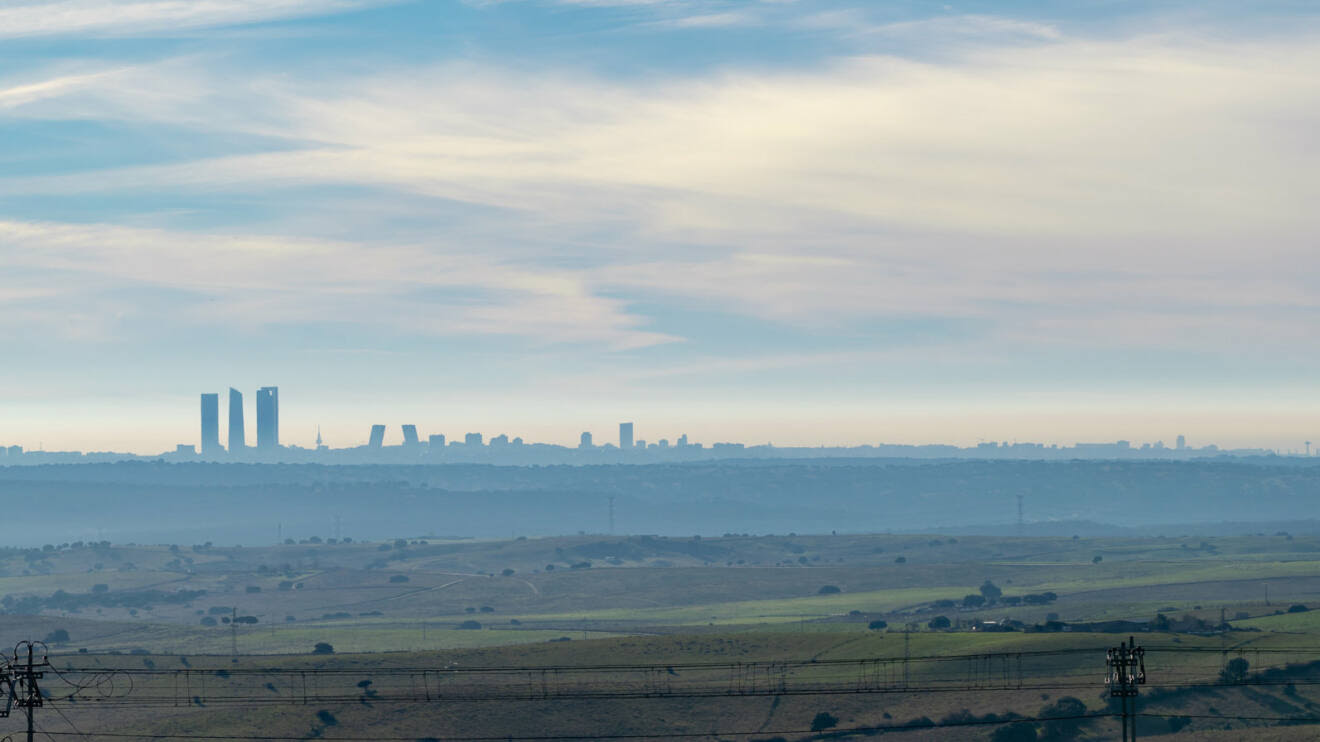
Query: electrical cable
[(888, 729)]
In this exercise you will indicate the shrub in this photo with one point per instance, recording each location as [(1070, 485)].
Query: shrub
[(824, 720), (828, 590), (58, 636), (877, 624), (507, 572), (1297, 608), (1234, 672), (469, 624), (100, 587), (940, 622), (1018, 731), (323, 648)]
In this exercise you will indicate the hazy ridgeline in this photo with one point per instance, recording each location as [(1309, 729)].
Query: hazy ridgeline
[(253, 504)]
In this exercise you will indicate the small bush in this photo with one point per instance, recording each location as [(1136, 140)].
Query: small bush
[(323, 648), (470, 625), (828, 590), (877, 625), (824, 720)]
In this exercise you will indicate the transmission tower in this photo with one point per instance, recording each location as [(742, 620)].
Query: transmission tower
[(1126, 666), (1020, 524), (24, 692)]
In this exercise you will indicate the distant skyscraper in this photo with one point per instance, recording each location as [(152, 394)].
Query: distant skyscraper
[(410, 436), (436, 442), (210, 424), (268, 418), (625, 435), (472, 439), (585, 441), (1182, 442), (377, 436), (237, 436)]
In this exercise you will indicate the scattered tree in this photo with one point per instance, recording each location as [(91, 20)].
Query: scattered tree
[(1018, 731), (58, 636), (824, 720), (1063, 718), (1235, 672), (940, 622), (877, 625), (990, 591), (323, 648), (828, 590)]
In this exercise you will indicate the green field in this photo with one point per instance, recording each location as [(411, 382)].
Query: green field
[(570, 602)]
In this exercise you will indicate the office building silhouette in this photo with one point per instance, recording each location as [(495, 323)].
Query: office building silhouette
[(210, 424), (625, 436), (410, 436), (377, 438), (268, 418), (237, 437)]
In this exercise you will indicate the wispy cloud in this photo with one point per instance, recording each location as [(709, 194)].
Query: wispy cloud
[(131, 17), (254, 281), (1020, 186)]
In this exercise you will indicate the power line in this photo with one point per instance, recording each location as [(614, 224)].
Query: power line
[(886, 729)]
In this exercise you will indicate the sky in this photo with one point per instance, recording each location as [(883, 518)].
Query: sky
[(789, 221)]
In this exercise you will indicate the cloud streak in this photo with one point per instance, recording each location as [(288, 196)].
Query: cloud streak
[(1031, 185), (24, 18), (256, 281)]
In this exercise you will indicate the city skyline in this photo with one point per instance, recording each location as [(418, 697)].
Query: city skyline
[(408, 435), (1088, 222)]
